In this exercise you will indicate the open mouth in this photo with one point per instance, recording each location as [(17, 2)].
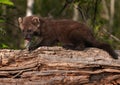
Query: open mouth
[(28, 39)]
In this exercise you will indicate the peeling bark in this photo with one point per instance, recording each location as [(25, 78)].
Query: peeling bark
[(55, 65)]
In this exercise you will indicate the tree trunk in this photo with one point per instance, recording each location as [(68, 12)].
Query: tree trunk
[(55, 65), (112, 9), (105, 13), (29, 10), (108, 13), (75, 13)]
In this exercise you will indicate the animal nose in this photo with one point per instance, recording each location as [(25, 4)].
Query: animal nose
[(28, 37), (29, 30)]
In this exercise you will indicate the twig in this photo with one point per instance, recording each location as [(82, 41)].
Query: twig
[(82, 14), (67, 2), (19, 68), (18, 74), (112, 36), (95, 12)]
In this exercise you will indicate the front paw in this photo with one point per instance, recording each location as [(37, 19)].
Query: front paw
[(30, 49), (68, 46)]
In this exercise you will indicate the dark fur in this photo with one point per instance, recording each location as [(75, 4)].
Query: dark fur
[(72, 34)]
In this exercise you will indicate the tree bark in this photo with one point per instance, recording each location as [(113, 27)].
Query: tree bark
[(105, 13), (75, 13), (55, 65), (112, 9), (108, 12), (29, 10)]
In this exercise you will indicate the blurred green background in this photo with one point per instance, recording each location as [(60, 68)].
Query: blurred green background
[(101, 16)]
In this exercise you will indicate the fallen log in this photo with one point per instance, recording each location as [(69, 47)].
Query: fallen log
[(55, 65)]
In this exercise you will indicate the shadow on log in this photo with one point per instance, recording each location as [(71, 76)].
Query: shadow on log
[(55, 65)]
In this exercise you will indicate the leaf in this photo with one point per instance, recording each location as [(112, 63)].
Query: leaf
[(4, 46), (1, 20), (96, 30), (7, 2)]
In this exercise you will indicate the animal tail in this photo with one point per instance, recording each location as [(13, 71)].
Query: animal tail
[(91, 41), (108, 48)]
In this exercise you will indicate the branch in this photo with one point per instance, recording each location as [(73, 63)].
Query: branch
[(112, 36)]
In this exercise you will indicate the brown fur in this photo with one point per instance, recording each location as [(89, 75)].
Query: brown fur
[(72, 34)]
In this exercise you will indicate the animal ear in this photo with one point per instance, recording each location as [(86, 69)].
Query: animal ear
[(37, 21), (20, 20)]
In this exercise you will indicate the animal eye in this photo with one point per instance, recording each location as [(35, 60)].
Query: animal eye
[(23, 30), (29, 30)]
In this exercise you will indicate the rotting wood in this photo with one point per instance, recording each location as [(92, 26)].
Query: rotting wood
[(55, 65)]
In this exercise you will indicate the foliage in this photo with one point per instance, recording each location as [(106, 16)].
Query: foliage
[(6, 2), (90, 12), (2, 31)]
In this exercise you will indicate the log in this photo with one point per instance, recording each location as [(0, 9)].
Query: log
[(55, 65)]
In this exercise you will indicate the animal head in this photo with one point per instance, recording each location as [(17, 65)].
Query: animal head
[(30, 26)]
